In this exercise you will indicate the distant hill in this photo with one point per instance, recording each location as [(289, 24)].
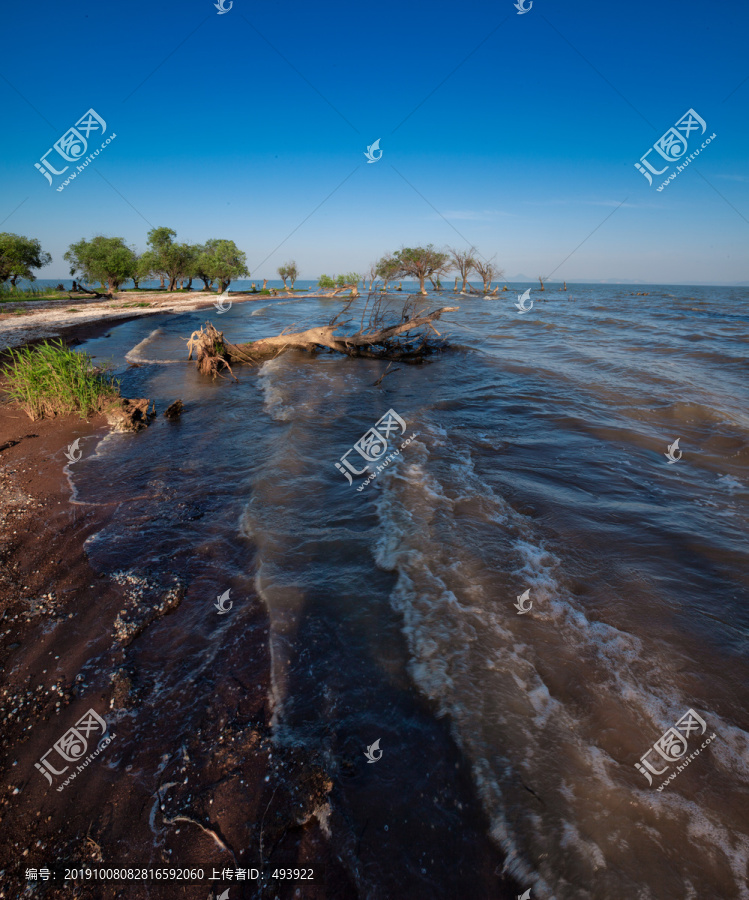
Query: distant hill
[(524, 278)]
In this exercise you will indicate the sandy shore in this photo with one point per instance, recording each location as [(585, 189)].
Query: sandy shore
[(210, 803), (33, 320)]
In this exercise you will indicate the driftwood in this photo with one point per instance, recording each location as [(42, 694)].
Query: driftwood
[(130, 415), (354, 288), (174, 411), (80, 289), (410, 340)]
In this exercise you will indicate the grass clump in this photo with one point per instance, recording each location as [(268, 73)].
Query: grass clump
[(52, 380), (16, 295)]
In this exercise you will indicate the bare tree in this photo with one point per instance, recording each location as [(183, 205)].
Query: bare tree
[(464, 261), (488, 272)]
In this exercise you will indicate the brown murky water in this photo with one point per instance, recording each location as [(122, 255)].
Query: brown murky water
[(539, 466)]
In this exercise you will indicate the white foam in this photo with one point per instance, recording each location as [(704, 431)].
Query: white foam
[(458, 625)]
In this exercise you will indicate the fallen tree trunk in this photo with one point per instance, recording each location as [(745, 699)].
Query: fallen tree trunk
[(214, 353), (81, 289)]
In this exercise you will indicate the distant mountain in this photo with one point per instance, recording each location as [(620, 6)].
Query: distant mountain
[(524, 278)]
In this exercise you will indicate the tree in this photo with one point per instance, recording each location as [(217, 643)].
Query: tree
[(465, 262), (371, 274), (19, 255), (191, 255), (290, 271), (337, 283), (421, 263), (387, 268), (159, 240), (488, 272), (175, 261), (193, 264), (144, 268), (105, 259), (200, 264), (224, 261)]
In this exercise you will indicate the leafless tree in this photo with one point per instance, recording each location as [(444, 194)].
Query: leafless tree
[(488, 272), (464, 261)]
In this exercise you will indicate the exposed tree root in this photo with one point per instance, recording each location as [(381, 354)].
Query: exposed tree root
[(409, 339)]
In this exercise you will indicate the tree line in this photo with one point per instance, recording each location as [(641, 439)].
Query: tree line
[(111, 262)]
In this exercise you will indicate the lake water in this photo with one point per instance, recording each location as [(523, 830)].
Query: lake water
[(539, 465)]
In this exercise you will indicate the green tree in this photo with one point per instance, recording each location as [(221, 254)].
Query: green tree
[(144, 268), (387, 268), (159, 240), (290, 271), (337, 283), (201, 263), (19, 255), (421, 263), (172, 259), (105, 259), (194, 268), (224, 261)]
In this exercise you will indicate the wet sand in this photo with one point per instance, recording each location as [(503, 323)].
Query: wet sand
[(175, 788), (60, 655)]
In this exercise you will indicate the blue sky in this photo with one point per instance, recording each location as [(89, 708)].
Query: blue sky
[(516, 133)]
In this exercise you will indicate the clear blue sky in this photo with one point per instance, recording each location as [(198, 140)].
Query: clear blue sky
[(520, 130)]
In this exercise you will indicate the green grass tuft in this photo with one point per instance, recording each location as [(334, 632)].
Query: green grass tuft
[(17, 295), (51, 380)]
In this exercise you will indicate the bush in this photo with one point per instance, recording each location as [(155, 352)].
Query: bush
[(51, 380)]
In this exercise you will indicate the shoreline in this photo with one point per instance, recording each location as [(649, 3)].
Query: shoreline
[(36, 320), (62, 652), (60, 655)]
